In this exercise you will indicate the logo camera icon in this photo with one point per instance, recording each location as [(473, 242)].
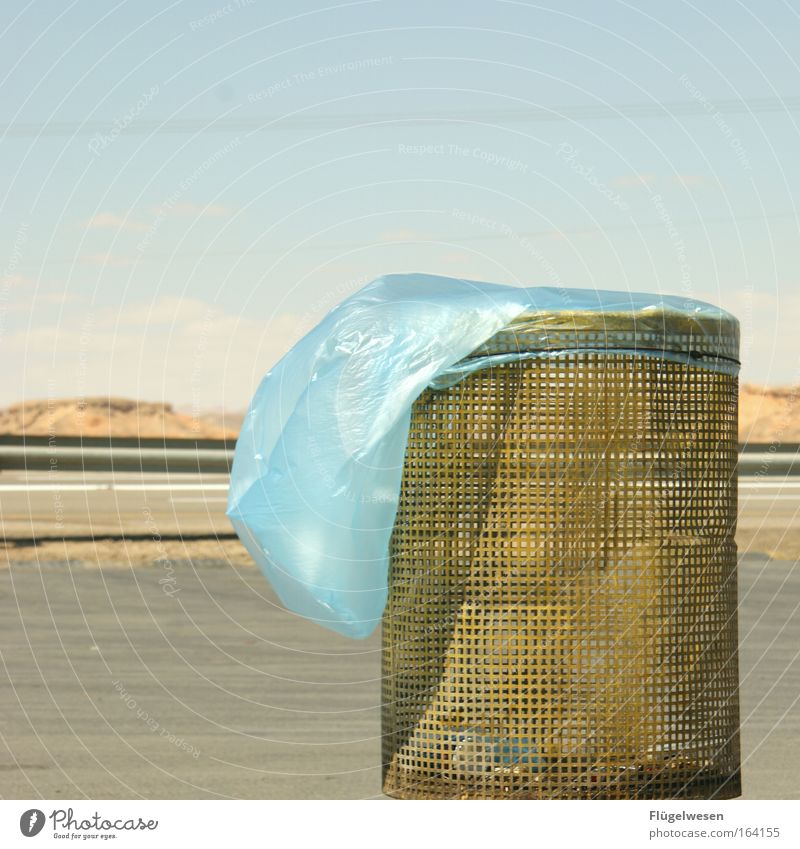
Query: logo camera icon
[(31, 822)]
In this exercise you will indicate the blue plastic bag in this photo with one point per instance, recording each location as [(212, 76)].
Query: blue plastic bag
[(318, 464)]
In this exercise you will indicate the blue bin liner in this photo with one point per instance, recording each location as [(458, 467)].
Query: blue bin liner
[(318, 463)]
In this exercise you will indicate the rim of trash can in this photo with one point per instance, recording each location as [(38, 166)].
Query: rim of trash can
[(654, 329)]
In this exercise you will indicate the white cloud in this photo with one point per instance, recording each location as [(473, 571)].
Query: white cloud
[(108, 220), (695, 181), (402, 234), (113, 221), (642, 181), (181, 350), (165, 310), (632, 181), (106, 260), (196, 210)]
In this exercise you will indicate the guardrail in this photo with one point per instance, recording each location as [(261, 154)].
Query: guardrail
[(215, 456), (116, 454), (770, 459)]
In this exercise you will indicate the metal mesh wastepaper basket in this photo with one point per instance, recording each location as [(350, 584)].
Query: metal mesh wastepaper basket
[(561, 620)]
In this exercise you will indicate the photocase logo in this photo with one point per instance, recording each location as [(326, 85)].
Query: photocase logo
[(31, 822)]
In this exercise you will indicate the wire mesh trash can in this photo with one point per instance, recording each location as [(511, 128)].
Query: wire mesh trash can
[(561, 620)]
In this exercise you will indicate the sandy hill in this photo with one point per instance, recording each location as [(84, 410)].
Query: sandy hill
[(769, 414), (111, 417), (765, 415)]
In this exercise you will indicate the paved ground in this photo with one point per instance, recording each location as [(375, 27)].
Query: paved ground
[(102, 669), (165, 669), (113, 688)]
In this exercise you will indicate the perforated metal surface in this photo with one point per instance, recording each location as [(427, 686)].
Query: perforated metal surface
[(562, 612)]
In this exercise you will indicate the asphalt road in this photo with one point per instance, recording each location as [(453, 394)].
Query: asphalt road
[(112, 688), (126, 682)]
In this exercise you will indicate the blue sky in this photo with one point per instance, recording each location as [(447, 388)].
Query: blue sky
[(187, 188)]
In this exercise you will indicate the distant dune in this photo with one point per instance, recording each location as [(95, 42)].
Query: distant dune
[(113, 417), (765, 415), (769, 414)]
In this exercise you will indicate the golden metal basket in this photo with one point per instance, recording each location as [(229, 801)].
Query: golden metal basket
[(561, 619)]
